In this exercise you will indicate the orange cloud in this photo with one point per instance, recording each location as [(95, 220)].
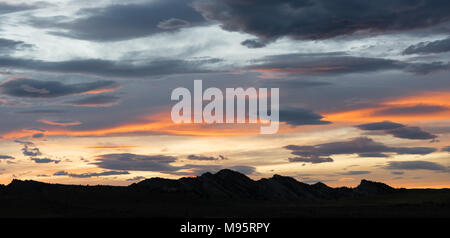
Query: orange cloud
[(440, 101)]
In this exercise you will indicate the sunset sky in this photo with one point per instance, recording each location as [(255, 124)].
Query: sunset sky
[(85, 89)]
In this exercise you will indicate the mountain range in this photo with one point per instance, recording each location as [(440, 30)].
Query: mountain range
[(226, 193)]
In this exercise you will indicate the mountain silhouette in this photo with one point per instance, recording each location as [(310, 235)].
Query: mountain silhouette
[(226, 193)]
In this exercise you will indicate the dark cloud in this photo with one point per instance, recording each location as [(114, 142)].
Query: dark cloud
[(124, 21), (158, 163), (373, 155), (48, 89), (7, 46), (300, 116), (322, 19), (426, 68), (254, 43), (398, 130), (335, 63), (45, 160), (292, 83), (433, 47), (247, 170), (30, 150), (360, 146), (323, 64), (41, 111), (415, 165), (38, 135), (411, 110), (173, 23), (447, 149), (96, 101), (137, 178), (355, 172), (2, 157), (134, 162), (9, 8), (89, 175), (107, 68), (411, 132), (311, 159), (384, 125), (201, 157), (397, 172)]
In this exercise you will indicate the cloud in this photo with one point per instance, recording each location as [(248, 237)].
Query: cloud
[(173, 23), (398, 130), (89, 175), (134, 162), (397, 172), (60, 123), (411, 110), (311, 159), (107, 68), (300, 116), (322, 19), (210, 158), (32, 88), (96, 101), (123, 21), (30, 150), (335, 63), (322, 64), (158, 163), (137, 178), (415, 165), (38, 135), (359, 145), (254, 43), (433, 47), (447, 149), (5, 157), (355, 173), (7, 46), (6, 7), (45, 160)]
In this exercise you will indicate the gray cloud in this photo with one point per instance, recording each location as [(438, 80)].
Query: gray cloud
[(397, 172), (411, 110), (173, 23), (45, 160), (415, 165), (322, 19), (334, 63), (398, 130), (7, 46), (96, 101), (107, 68), (124, 21), (48, 89), (89, 175), (201, 157), (4, 157), (447, 149), (355, 172), (313, 159), (158, 163), (433, 47), (300, 116), (254, 43), (6, 7), (360, 146)]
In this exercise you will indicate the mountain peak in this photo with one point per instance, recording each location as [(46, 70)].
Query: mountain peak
[(371, 187)]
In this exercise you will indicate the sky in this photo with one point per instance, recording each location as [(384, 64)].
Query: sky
[(85, 89)]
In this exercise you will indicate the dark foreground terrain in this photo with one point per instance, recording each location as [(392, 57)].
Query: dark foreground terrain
[(224, 194)]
